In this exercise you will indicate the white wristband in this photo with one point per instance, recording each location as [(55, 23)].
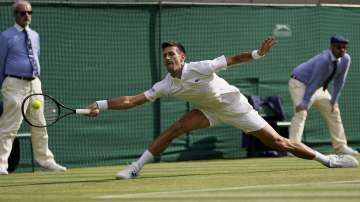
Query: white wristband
[(255, 55), (102, 104)]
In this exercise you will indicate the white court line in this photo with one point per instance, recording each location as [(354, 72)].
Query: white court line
[(153, 194)]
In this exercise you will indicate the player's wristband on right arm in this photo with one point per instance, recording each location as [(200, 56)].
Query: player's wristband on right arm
[(102, 104), (255, 55)]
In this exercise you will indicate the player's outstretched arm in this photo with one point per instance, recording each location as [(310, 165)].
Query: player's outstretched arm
[(256, 54), (126, 102), (119, 103)]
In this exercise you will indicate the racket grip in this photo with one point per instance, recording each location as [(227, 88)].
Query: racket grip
[(84, 111)]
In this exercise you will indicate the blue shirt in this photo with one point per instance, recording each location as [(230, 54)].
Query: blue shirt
[(14, 58), (314, 72)]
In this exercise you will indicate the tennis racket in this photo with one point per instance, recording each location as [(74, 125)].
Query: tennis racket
[(50, 110)]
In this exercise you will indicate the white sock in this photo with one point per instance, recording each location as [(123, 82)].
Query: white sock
[(146, 157), (322, 158)]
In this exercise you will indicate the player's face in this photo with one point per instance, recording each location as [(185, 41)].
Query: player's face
[(339, 49), (173, 58), (23, 14)]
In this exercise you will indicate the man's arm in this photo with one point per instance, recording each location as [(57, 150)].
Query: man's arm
[(118, 103), (126, 102), (339, 82), (244, 57), (3, 55), (317, 78)]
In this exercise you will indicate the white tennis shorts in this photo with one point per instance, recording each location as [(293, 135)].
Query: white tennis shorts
[(235, 111)]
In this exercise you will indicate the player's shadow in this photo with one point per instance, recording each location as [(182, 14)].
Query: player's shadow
[(239, 172), (203, 149)]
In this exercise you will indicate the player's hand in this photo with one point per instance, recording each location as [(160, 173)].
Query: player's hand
[(266, 46), (94, 111), (300, 108)]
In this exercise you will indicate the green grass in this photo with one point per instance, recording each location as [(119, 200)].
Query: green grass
[(270, 180)]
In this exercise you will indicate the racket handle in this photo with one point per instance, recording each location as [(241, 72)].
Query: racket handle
[(84, 111)]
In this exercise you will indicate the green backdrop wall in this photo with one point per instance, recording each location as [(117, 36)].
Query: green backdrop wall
[(93, 52)]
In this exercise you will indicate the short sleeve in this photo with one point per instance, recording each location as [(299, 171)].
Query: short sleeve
[(219, 63), (208, 67), (158, 90)]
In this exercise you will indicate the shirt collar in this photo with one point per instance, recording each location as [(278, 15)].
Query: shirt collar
[(182, 73), (19, 28)]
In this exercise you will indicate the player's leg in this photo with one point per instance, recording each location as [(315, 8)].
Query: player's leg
[(253, 124), (11, 118), (192, 120), (334, 123), (297, 90), (271, 138)]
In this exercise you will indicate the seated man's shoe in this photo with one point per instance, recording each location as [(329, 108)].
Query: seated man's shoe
[(130, 172), (348, 151), (3, 171), (342, 161), (53, 166)]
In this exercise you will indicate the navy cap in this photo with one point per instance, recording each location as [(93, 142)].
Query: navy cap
[(339, 39)]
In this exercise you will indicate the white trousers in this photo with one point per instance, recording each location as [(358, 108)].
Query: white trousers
[(321, 100), (14, 91)]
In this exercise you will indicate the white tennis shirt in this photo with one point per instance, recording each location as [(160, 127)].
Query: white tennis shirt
[(198, 85), (217, 99)]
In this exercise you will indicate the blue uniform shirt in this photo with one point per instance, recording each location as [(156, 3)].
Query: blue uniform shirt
[(14, 58), (315, 71)]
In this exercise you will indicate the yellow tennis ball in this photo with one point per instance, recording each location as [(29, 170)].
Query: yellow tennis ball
[(36, 104)]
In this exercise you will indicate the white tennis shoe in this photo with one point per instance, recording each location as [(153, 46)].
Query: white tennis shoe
[(130, 172), (342, 161), (3, 171), (53, 166)]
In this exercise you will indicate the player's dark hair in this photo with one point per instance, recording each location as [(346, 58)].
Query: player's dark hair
[(173, 43)]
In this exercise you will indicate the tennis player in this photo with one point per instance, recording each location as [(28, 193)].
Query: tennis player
[(214, 101)]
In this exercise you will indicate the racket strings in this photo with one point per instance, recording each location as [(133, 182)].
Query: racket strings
[(51, 111), (47, 114)]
